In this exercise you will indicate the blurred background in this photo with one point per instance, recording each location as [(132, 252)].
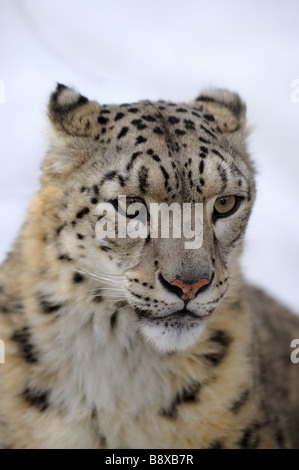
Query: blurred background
[(119, 51)]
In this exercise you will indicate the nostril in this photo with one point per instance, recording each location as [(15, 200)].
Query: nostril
[(169, 286), (185, 290), (190, 290)]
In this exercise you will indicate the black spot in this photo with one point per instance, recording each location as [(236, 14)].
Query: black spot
[(113, 320), (196, 114), (102, 120), (94, 200), (59, 229), (158, 130), (189, 124), (203, 149), (118, 116), (156, 158), (83, 189), (139, 124), (149, 118), (173, 120), (240, 402), (180, 132), (37, 398), (49, 307), (217, 444), (23, 339), (83, 212), (121, 180), (201, 166), (205, 141), (220, 337), (77, 277), (209, 117), (249, 438), (140, 139), (65, 258), (105, 248), (202, 155), (97, 137), (79, 236), (202, 182), (123, 132), (96, 189), (181, 110), (133, 110), (188, 394)]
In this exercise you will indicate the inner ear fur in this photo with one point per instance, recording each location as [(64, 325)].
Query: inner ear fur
[(72, 113), (227, 108)]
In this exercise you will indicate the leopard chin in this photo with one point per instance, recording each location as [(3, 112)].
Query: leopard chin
[(178, 333)]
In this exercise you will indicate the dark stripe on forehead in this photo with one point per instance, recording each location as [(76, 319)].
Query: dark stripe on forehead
[(223, 176), (108, 176), (133, 158), (143, 179), (234, 169), (165, 175), (215, 152), (208, 131)]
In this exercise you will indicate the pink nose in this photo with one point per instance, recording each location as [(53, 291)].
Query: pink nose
[(189, 290)]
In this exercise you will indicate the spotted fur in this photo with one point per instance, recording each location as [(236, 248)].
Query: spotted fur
[(101, 350)]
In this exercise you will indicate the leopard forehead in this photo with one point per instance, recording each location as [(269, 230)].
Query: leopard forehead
[(159, 144)]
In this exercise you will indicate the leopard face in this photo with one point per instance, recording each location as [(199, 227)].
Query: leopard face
[(152, 153)]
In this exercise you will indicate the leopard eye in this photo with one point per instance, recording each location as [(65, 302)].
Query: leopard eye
[(130, 206), (226, 205)]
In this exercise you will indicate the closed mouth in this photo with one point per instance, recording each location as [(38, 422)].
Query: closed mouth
[(181, 314)]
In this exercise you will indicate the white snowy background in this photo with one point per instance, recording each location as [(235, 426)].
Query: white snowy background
[(126, 50)]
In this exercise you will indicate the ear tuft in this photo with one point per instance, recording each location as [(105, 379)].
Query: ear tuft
[(71, 112), (227, 107)]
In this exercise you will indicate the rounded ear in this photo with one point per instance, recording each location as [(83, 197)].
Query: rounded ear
[(226, 107), (72, 113)]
